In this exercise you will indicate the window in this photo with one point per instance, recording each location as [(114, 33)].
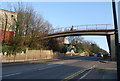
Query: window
[(12, 16)]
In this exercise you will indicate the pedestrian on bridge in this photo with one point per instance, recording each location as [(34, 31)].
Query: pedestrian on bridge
[(72, 28)]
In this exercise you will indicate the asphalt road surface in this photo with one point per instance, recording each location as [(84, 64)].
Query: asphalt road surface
[(76, 67)]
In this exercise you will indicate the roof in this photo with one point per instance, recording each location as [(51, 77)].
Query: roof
[(8, 11)]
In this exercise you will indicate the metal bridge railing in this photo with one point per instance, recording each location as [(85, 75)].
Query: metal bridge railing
[(82, 27)]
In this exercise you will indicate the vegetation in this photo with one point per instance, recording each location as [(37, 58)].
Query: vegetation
[(82, 45), (29, 28)]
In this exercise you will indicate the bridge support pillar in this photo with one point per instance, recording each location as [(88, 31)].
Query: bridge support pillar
[(111, 44)]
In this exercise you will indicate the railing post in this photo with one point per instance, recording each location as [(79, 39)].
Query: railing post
[(86, 27), (106, 26), (79, 27), (96, 26), (52, 30)]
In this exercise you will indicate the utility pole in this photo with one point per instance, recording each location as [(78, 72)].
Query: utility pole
[(117, 44)]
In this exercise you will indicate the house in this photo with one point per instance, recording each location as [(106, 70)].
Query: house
[(7, 22)]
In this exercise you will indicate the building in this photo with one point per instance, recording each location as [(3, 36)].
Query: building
[(7, 22)]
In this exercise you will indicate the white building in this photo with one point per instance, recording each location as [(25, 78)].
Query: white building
[(7, 19)]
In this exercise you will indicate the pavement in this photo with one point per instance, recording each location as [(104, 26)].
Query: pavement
[(28, 62), (72, 68), (107, 60), (35, 61), (104, 70)]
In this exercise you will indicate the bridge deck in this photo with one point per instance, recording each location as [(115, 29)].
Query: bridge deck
[(81, 32)]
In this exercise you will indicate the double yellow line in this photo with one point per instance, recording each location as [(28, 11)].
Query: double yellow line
[(76, 74)]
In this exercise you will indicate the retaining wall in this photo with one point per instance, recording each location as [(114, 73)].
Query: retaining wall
[(31, 55)]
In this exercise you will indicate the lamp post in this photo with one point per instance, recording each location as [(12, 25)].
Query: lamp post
[(117, 44)]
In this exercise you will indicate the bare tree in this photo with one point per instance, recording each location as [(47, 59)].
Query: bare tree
[(75, 39), (30, 25)]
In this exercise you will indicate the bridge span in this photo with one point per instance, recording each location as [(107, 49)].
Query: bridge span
[(101, 32), (96, 29)]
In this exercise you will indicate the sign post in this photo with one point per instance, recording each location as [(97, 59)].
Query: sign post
[(117, 35), (118, 22)]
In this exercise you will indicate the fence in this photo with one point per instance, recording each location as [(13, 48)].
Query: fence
[(82, 27)]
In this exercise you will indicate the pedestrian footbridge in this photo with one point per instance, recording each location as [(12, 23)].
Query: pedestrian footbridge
[(95, 29)]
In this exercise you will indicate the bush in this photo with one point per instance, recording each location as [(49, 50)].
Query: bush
[(12, 49), (63, 49)]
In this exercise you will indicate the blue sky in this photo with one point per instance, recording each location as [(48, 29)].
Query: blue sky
[(75, 13), (63, 14)]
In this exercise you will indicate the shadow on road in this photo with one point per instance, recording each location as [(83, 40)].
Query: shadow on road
[(67, 68)]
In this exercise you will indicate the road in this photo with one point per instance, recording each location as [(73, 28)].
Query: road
[(76, 68)]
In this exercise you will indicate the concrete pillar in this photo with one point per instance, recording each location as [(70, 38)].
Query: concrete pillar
[(109, 45), (112, 46)]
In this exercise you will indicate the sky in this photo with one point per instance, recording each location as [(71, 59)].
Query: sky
[(63, 14)]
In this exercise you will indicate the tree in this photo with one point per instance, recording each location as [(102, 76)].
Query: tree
[(30, 25), (83, 45), (29, 28), (75, 39), (79, 48), (94, 48)]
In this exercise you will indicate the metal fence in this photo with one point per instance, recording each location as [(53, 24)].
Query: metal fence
[(82, 27)]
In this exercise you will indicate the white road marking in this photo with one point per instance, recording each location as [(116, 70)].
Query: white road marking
[(56, 63), (32, 69), (49, 67), (10, 74), (50, 64), (87, 72)]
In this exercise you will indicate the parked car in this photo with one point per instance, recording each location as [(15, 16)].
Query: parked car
[(106, 55), (99, 54), (92, 54)]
